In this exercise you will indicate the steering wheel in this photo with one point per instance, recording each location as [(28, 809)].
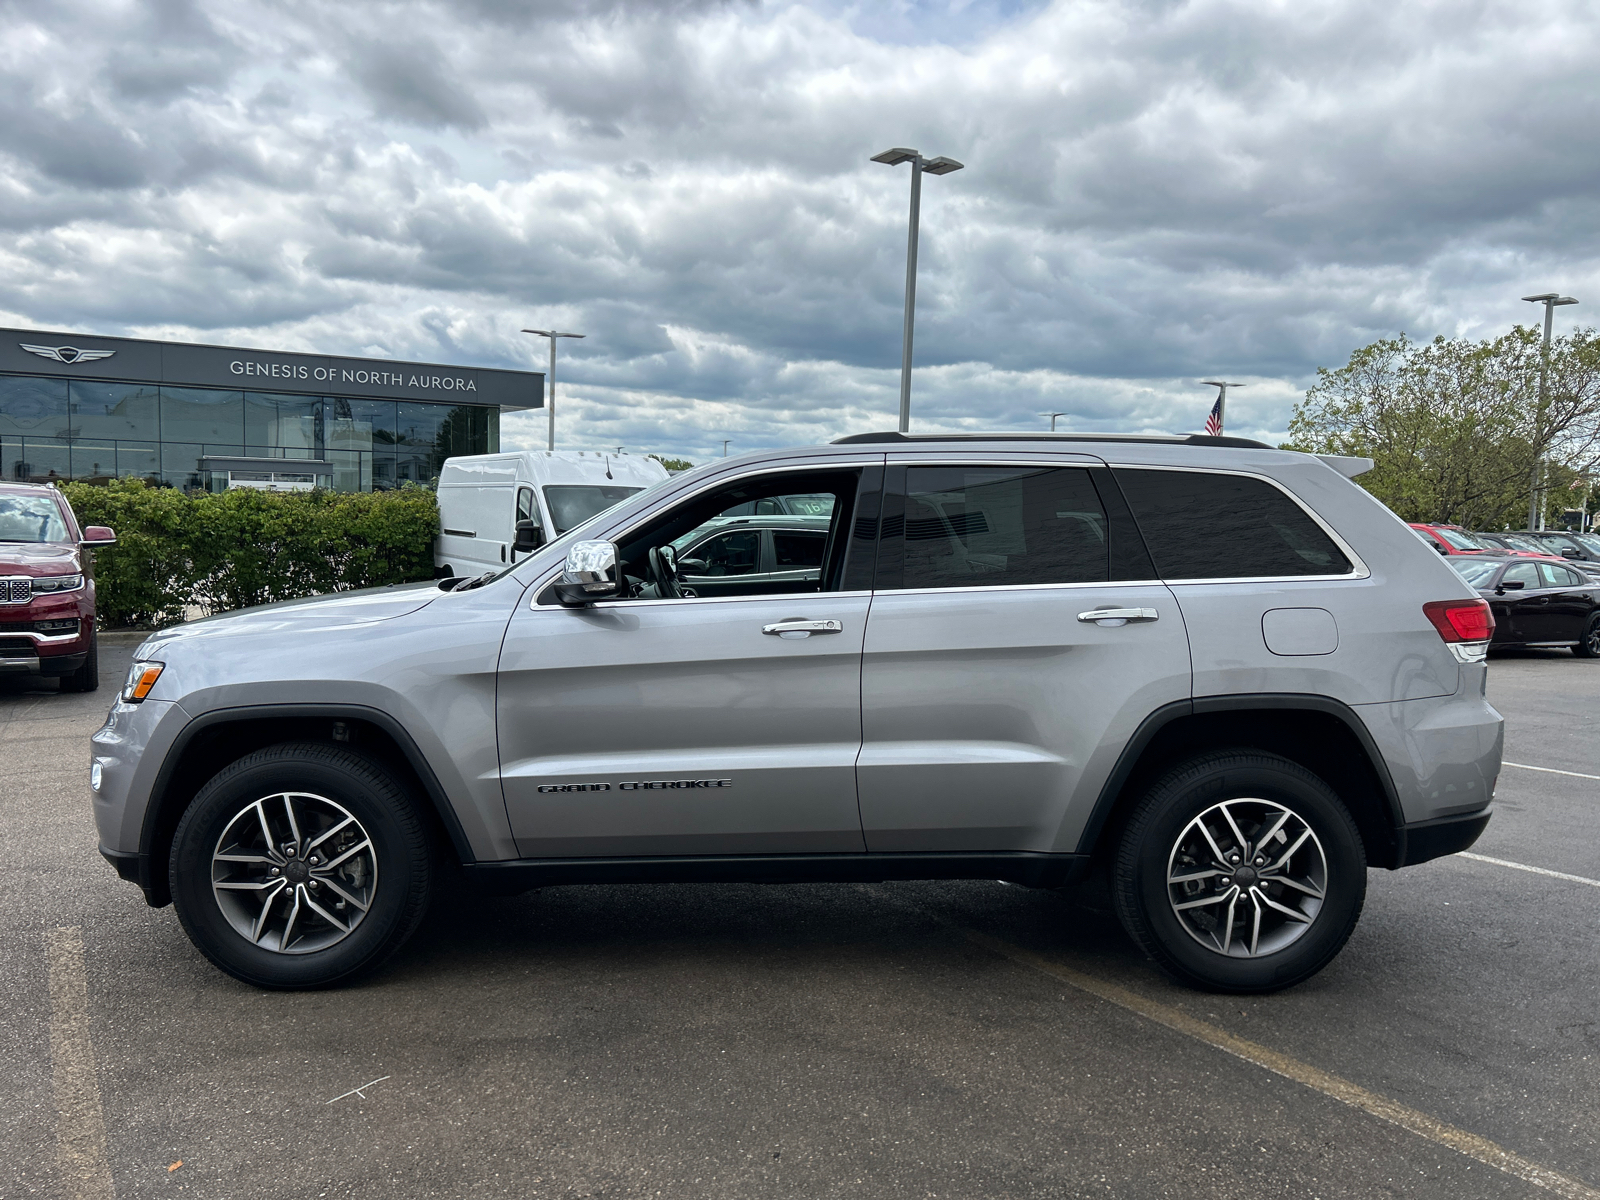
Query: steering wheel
[(663, 564)]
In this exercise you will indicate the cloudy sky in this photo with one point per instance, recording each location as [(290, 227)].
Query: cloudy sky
[(1156, 192)]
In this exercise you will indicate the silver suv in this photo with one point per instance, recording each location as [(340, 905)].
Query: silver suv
[(1222, 674)]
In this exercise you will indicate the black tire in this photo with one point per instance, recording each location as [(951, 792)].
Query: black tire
[(1589, 645), (1150, 843), (404, 866), (87, 677)]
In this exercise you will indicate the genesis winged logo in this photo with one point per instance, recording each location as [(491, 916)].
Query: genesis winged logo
[(66, 354)]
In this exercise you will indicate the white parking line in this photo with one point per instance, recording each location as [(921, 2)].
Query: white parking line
[(1549, 770), (1516, 866), (80, 1120), (1460, 1140)]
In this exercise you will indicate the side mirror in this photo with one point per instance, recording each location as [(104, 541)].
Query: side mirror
[(1511, 585), (692, 566), (97, 535), (1570, 552), (529, 537), (1441, 549), (591, 573)]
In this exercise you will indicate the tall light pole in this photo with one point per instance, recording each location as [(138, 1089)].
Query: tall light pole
[(1053, 417), (1551, 301), (919, 167), (725, 442), (550, 387), (1220, 408)]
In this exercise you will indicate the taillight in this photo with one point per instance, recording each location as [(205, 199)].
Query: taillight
[(1461, 620)]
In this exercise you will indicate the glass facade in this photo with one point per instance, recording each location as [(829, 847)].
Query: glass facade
[(54, 428)]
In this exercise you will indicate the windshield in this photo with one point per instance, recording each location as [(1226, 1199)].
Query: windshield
[(1476, 571), (573, 504), (1588, 541), (1518, 542), (31, 519), (1460, 539)]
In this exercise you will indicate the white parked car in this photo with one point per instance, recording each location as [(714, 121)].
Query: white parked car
[(487, 500)]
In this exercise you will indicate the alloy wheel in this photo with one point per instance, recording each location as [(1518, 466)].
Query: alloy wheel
[(1247, 877), (294, 873)]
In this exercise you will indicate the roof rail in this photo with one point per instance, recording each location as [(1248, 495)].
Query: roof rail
[(1169, 439)]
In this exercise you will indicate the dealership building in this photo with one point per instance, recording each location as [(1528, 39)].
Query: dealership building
[(74, 406)]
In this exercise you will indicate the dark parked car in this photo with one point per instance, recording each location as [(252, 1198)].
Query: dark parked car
[(47, 587), (1537, 603), (1522, 545), (749, 555), (1584, 547)]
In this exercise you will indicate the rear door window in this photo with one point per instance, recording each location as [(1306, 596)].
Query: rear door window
[(1212, 525), (1554, 575), (981, 526)]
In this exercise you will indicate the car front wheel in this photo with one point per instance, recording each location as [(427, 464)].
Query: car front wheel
[(1240, 872), (300, 866)]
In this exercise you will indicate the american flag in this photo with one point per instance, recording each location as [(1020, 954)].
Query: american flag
[(1214, 421)]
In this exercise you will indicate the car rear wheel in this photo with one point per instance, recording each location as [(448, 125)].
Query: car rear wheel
[(87, 677), (1589, 645), (1240, 872), (300, 866)]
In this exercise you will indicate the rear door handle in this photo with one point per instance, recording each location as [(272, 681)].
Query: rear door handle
[(798, 628), (1118, 616)]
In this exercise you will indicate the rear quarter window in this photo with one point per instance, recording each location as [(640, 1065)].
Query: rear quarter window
[(1207, 525)]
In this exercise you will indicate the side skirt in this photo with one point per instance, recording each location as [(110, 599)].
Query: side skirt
[(1024, 867)]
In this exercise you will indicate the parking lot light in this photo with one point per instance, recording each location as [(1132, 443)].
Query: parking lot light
[(1551, 301), (1053, 416), (550, 386), (919, 167)]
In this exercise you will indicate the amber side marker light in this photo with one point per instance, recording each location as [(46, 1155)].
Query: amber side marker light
[(142, 677)]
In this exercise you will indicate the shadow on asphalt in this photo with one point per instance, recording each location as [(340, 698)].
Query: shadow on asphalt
[(601, 927)]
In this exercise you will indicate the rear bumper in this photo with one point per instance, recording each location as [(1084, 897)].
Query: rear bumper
[(1427, 840)]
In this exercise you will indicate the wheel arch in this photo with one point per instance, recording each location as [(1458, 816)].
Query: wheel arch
[(1321, 734), (215, 739)]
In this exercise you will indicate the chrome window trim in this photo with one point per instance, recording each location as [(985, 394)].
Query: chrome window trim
[(1359, 567), (1019, 587), (698, 600), (861, 462)]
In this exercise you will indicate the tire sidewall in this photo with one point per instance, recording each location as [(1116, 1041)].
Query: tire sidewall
[(1582, 649), (1176, 802), (400, 870)]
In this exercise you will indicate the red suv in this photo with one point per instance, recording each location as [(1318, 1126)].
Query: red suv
[(47, 587)]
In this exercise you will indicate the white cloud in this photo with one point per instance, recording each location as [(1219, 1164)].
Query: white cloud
[(1155, 191)]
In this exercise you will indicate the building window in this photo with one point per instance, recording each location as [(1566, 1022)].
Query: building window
[(58, 429)]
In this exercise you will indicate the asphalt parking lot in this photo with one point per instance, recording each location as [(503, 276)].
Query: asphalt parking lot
[(906, 1040)]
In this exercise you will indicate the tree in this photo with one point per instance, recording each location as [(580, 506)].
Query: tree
[(1455, 427), (672, 464)]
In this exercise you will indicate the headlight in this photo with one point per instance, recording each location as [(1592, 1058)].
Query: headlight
[(56, 583), (142, 677)]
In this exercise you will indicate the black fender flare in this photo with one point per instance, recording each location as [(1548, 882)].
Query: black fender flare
[(255, 712), (1128, 760)]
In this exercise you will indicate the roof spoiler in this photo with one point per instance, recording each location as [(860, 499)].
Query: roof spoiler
[(1346, 466)]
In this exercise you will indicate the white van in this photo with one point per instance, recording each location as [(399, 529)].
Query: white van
[(482, 497)]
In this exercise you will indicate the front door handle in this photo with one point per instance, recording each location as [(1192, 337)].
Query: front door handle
[(1113, 617), (798, 628)]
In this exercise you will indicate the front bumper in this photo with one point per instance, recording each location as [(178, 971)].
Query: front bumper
[(35, 638)]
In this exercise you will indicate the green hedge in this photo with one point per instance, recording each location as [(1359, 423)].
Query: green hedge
[(232, 549)]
